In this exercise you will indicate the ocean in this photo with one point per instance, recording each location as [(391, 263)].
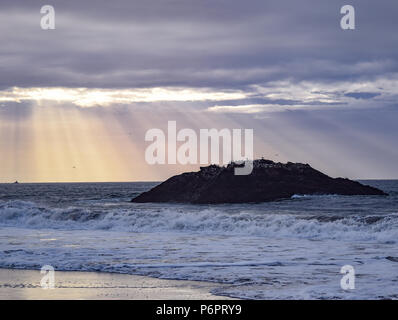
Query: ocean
[(290, 249)]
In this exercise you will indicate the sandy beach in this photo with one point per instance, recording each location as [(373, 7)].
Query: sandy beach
[(25, 284)]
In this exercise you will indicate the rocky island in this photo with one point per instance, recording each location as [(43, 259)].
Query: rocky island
[(269, 181)]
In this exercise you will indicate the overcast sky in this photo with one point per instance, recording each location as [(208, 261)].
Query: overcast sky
[(87, 91)]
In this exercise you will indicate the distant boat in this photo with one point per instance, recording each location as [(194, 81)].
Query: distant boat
[(16, 182)]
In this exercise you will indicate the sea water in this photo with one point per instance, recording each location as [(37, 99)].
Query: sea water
[(290, 249)]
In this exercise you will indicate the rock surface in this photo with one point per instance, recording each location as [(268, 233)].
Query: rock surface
[(268, 181)]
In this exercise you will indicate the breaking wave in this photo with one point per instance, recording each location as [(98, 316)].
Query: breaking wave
[(382, 228)]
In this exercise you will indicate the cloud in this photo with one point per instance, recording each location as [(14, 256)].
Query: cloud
[(15, 112), (191, 43), (283, 95), (312, 92), (90, 97), (362, 95)]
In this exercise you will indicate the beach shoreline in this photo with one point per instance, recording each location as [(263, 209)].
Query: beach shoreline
[(17, 284)]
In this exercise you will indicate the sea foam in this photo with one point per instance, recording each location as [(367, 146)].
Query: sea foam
[(382, 228)]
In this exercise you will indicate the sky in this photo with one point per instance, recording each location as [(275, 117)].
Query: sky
[(76, 102)]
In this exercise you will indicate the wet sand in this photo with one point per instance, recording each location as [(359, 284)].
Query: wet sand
[(70, 285)]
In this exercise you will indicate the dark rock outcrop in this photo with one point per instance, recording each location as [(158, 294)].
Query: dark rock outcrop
[(268, 181)]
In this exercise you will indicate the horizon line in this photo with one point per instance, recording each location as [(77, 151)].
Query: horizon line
[(151, 181)]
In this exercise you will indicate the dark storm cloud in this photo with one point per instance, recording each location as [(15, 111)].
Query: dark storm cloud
[(225, 44), (362, 95)]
